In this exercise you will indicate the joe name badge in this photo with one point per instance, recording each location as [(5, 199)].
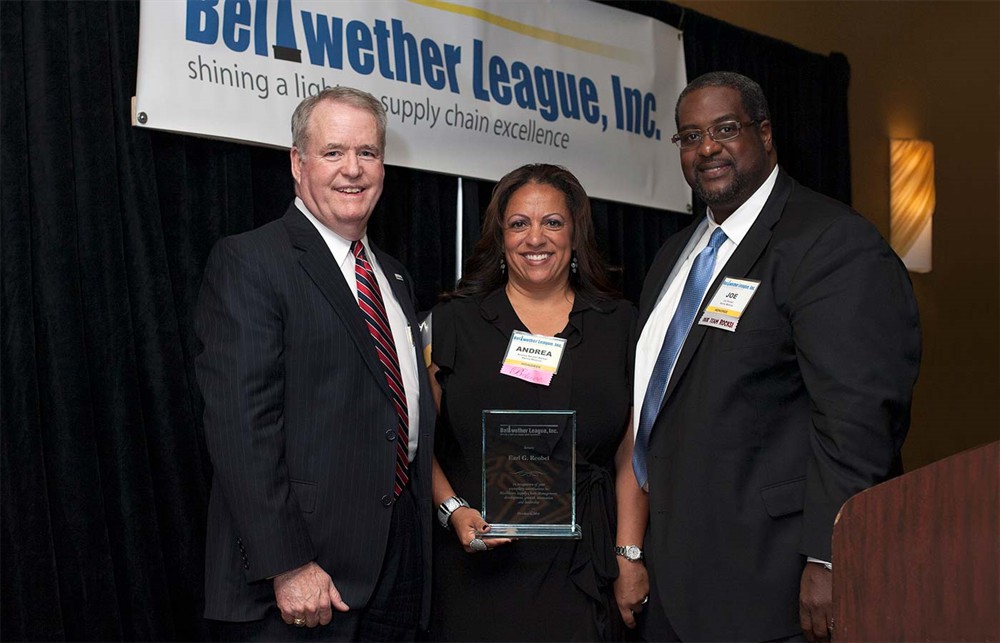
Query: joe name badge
[(533, 358), (728, 303)]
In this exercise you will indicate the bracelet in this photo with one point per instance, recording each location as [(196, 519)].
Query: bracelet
[(448, 507)]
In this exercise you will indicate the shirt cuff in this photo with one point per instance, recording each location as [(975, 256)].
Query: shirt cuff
[(824, 563)]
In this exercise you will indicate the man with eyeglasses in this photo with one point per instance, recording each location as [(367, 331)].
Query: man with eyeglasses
[(774, 373)]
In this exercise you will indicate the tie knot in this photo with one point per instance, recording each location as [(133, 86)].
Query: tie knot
[(718, 238), (358, 250)]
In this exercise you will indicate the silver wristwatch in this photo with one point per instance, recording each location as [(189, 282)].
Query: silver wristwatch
[(629, 552), (448, 507)]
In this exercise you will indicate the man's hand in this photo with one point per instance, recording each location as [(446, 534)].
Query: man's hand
[(816, 602), (631, 589), (307, 594)]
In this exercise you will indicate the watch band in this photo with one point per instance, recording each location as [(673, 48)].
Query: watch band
[(631, 553)]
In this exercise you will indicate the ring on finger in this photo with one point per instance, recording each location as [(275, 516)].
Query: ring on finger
[(299, 622), (478, 544), (645, 600)]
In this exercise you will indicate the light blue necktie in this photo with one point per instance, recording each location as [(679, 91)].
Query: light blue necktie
[(694, 290)]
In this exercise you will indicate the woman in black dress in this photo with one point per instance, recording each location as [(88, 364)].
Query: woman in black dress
[(535, 269)]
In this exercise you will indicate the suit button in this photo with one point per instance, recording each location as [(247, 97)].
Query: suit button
[(390, 434), (386, 500)]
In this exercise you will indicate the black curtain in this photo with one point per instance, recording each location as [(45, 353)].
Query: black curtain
[(104, 231)]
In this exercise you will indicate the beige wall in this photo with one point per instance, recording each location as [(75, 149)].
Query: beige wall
[(927, 70)]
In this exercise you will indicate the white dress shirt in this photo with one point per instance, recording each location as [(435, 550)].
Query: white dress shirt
[(340, 248)]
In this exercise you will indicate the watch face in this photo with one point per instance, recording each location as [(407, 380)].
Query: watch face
[(633, 553)]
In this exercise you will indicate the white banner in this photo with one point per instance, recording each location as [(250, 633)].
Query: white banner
[(473, 88)]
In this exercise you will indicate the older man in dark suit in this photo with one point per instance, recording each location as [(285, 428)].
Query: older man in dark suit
[(779, 348), (317, 415)]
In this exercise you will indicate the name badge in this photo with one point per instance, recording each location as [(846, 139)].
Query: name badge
[(533, 358), (728, 303)]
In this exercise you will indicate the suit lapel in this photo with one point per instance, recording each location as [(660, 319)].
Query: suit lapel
[(665, 265), (401, 290), (318, 263), (397, 283), (746, 255)]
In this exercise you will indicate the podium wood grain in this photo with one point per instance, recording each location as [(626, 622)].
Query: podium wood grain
[(917, 558)]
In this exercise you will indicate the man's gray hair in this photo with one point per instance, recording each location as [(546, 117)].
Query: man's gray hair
[(340, 94), (752, 96)]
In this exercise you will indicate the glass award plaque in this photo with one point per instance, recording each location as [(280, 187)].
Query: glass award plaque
[(529, 474)]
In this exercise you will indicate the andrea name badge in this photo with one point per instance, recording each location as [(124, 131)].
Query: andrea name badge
[(533, 358), (728, 303)]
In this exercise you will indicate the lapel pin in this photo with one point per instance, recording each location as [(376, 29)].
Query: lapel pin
[(398, 276)]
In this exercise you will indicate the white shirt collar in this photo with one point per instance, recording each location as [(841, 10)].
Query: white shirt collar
[(339, 246), (739, 222)]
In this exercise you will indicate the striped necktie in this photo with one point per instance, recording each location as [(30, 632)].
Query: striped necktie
[(687, 307), (373, 308)]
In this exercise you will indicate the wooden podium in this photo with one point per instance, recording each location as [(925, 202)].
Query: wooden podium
[(917, 558)]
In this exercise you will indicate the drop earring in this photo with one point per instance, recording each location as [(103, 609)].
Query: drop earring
[(503, 266), (573, 265)]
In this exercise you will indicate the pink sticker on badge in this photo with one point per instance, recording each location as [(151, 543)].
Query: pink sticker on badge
[(533, 375)]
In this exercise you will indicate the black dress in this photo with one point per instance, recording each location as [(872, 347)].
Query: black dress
[(558, 590)]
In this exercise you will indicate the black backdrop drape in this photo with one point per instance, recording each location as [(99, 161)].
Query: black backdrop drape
[(105, 230)]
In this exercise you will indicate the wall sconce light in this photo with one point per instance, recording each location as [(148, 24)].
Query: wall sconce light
[(911, 201)]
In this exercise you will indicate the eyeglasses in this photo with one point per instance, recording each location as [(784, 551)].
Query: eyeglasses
[(719, 133)]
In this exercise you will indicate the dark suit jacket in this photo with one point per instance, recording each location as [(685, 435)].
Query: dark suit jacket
[(298, 420), (764, 432)]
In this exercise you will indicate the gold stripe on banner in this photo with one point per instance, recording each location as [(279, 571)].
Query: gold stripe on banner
[(912, 199), (581, 44)]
